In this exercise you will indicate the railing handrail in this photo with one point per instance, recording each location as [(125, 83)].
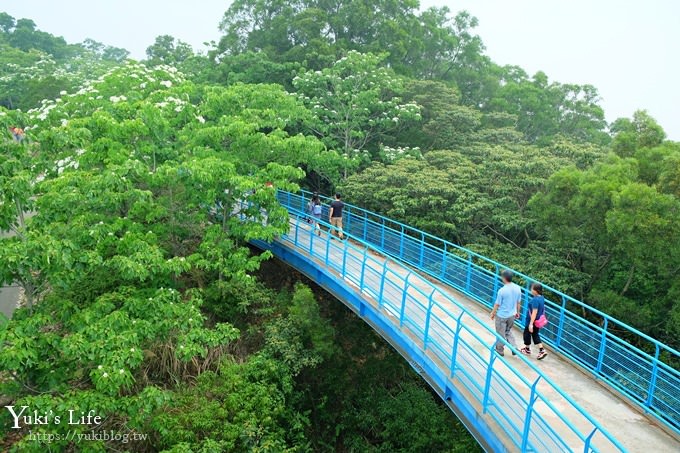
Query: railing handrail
[(632, 329), (300, 214)]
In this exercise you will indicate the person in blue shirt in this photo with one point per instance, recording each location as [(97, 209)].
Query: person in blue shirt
[(506, 310), (531, 332)]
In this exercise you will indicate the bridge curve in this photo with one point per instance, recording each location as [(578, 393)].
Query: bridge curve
[(440, 325)]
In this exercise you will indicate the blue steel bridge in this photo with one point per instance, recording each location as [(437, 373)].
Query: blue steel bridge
[(430, 300)]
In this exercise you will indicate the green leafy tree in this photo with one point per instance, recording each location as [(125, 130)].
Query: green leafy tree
[(168, 50), (354, 103)]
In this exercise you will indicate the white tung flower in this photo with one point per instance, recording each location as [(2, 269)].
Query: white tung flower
[(100, 367), (105, 375)]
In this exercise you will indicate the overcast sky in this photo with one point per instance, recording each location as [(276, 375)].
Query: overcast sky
[(630, 50)]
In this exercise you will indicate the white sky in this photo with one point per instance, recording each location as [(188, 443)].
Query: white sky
[(628, 49)]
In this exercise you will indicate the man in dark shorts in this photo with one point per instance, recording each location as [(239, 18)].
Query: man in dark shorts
[(336, 216)]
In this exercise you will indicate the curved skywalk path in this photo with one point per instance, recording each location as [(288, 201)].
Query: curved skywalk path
[(508, 403)]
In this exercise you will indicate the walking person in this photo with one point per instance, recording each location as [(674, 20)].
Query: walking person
[(317, 209), (506, 310), (310, 207), (535, 310), (335, 216)]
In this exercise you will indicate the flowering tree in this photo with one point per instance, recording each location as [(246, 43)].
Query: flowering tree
[(354, 102), (124, 176)]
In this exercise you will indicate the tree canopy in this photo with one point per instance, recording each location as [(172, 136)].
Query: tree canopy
[(126, 198)]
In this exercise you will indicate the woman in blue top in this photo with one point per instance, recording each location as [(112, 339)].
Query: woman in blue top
[(531, 332)]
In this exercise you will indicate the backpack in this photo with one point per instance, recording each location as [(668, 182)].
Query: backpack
[(316, 209)]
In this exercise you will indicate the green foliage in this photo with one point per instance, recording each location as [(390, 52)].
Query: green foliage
[(640, 132), (620, 231), (240, 407), (354, 103), (168, 50)]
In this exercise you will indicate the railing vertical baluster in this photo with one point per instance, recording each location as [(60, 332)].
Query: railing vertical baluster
[(427, 319), (401, 243), (382, 233), (495, 285), (468, 273), (560, 324), (288, 202), (444, 259), (328, 245), (365, 237), (403, 301), (603, 345), (655, 372), (297, 227), (527, 418), (422, 250), (349, 219), (586, 445), (454, 353), (489, 373), (363, 271), (525, 305), (344, 261), (311, 243), (382, 284)]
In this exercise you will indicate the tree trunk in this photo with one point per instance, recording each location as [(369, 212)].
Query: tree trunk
[(631, 272)]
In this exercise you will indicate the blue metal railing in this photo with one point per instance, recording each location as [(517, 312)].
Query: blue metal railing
[(643, 374), (450, 339)]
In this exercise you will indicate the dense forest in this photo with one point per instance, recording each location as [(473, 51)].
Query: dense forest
[(144, 302)]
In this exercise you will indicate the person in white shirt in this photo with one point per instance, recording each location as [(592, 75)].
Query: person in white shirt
[(506, 310)]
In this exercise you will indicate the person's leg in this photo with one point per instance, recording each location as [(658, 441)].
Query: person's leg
[(527, 341), (508, 332), (500, 330), (342, 236), (334, 232), (537, 342)]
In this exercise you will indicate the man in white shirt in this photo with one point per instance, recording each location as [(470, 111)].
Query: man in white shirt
[(506, 310)]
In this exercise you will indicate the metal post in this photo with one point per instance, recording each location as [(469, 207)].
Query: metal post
[(427, 319), (344, 262), (297, 227), (382, 285), (363, 269), (422, 250), (527, 418), (365, 237), (603, 345), (454, 353), (495, 285), (468, 274), (349, 219), (560, 324), (444, 257), (525, 306), (382, 234), (401, 243), (655, 372), (328, 245), (311, 242), (403, 300), (586, 446), (487, 384)]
